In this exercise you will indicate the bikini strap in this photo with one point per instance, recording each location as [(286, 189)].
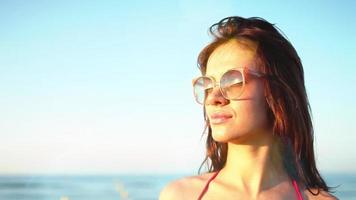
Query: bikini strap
[(206, 187), (296, 188)]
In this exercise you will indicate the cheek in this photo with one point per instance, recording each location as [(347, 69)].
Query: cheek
[(251, 115), (254, 109)]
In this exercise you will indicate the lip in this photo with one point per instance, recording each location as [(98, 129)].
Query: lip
[(220, 117)]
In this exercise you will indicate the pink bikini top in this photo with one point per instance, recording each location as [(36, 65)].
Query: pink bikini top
[(295, 185)]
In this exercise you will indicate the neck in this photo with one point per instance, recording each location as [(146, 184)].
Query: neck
[(254, 167)]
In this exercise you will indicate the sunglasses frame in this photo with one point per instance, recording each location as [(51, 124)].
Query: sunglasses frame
[(242, 70)]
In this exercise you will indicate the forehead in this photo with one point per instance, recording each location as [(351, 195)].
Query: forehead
[(232, 54)]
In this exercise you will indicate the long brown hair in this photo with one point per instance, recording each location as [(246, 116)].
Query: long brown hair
[(288, 107)]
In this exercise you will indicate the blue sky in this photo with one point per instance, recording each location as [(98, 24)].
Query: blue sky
[(105, 86)]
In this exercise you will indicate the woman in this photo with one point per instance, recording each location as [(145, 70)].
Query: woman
[(259, 129)]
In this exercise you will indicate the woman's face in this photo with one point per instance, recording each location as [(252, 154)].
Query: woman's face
[(239, 120)]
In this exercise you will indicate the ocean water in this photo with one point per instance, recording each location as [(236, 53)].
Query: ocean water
[(118, 187), (93, 187)]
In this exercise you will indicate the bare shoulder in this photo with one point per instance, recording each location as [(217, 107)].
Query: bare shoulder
[(323, 195), (184, 188)]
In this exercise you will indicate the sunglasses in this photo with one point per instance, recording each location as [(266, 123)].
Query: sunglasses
[(231, 84)]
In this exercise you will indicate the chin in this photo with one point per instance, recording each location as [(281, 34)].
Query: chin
[(220, 138), (225, 135)]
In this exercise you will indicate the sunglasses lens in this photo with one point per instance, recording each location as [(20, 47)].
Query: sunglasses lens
[(232, 84), (202, 87)]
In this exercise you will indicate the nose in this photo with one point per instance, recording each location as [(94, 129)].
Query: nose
[(216, 98)]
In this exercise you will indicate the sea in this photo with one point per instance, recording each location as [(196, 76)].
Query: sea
[(118, 187)]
